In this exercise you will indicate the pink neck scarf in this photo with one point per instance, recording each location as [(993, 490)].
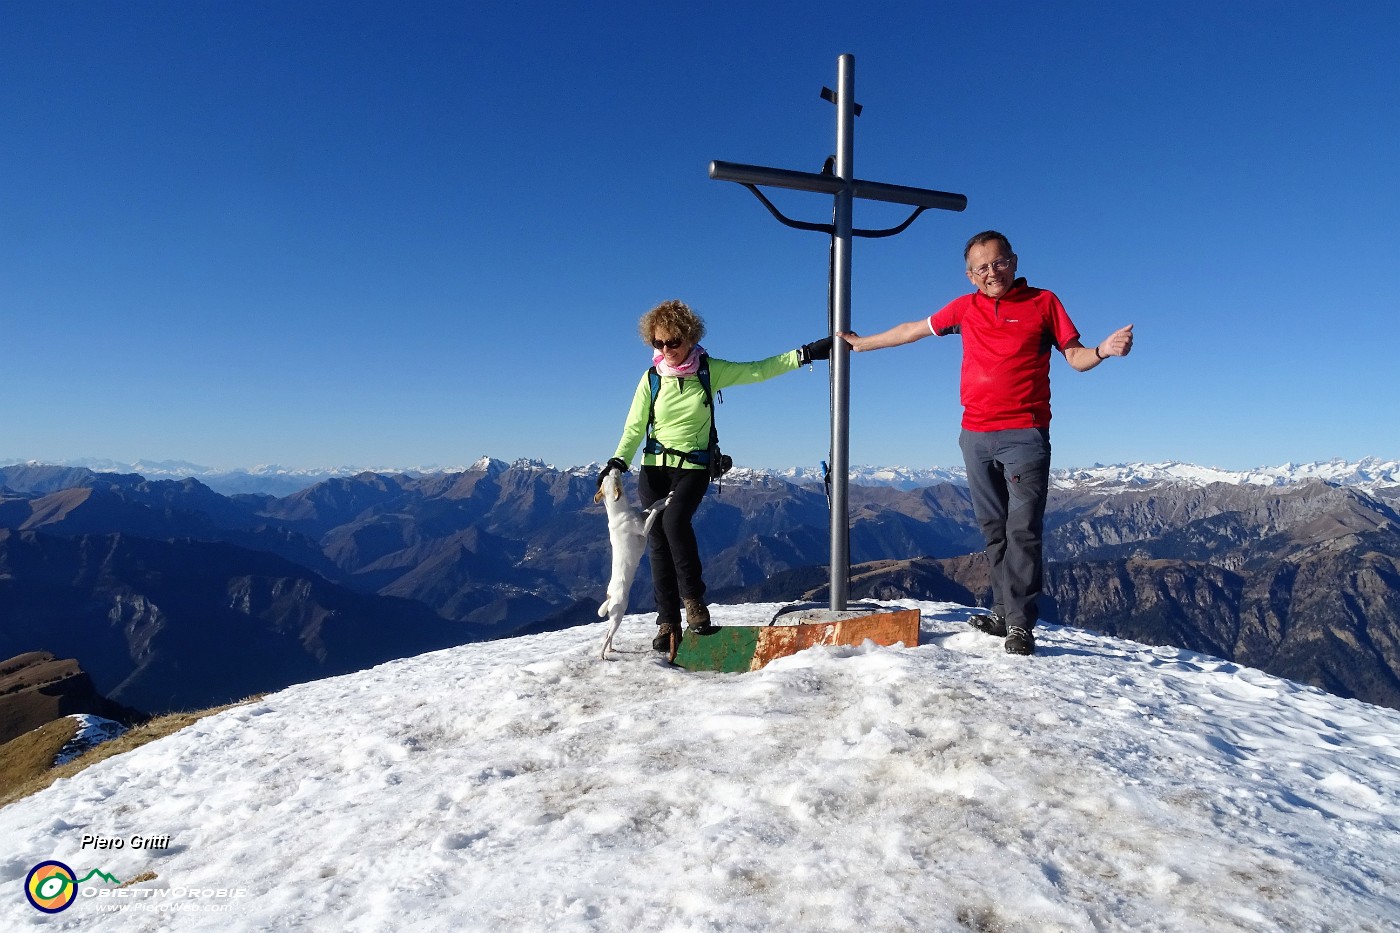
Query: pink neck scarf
[(690, 367)]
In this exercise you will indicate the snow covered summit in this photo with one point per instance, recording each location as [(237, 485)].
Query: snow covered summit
[(525, 785)]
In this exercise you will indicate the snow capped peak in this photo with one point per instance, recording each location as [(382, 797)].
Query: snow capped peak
[(530, 463), (488, 465)]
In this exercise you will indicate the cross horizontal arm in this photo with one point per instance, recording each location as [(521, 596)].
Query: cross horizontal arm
[(832, 184), (776, 177), (900, 194)]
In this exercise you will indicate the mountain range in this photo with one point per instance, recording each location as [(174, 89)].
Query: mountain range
[(1370, 473), (170, 594)]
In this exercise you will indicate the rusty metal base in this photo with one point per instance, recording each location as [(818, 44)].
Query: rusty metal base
[(737, 648)]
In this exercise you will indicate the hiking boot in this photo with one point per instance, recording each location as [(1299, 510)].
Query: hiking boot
[(665, 631), (992, 623), (1020, 641), (697, 618)]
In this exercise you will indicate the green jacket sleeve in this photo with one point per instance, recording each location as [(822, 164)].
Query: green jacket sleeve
[(682, 417), (724, 373)]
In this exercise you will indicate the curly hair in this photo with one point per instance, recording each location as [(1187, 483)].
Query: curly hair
[(672, 317)]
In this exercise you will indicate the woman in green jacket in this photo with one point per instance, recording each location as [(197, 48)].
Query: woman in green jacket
[(675, 460)]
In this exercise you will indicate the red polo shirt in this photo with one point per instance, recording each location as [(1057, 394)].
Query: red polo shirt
[(1006, 354)]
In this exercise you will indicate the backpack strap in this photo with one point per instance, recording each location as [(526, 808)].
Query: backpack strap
[(704, 376), (653, 446)]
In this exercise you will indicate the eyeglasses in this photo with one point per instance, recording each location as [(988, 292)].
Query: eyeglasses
[(1000, 265), (668, 344)]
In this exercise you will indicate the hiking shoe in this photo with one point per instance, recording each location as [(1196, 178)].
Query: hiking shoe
[(664, 632), (697, 618), (991, 623), (1020, 641)]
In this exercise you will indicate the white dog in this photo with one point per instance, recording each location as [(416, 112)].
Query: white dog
[(627, 530)]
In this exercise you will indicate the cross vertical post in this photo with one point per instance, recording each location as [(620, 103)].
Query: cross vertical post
[(842, 215), (844, 188)]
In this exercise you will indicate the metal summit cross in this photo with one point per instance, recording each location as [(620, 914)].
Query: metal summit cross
[(845, 188)]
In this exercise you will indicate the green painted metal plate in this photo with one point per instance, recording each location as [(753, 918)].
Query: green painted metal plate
[(730, 650)]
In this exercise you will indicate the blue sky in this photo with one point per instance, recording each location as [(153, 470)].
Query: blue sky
[(320, 234)]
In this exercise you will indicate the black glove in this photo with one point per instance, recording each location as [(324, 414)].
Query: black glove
[(615, 463), (816, 350)]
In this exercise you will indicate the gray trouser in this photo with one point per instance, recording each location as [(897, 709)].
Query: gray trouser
[(1008, 475)]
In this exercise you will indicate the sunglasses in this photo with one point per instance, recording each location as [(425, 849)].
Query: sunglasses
[(668, 344)]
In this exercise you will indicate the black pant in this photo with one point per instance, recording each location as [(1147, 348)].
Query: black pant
[(675, 555), (1008, 475)]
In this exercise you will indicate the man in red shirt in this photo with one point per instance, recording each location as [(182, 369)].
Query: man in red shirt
[(1008, 329)]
